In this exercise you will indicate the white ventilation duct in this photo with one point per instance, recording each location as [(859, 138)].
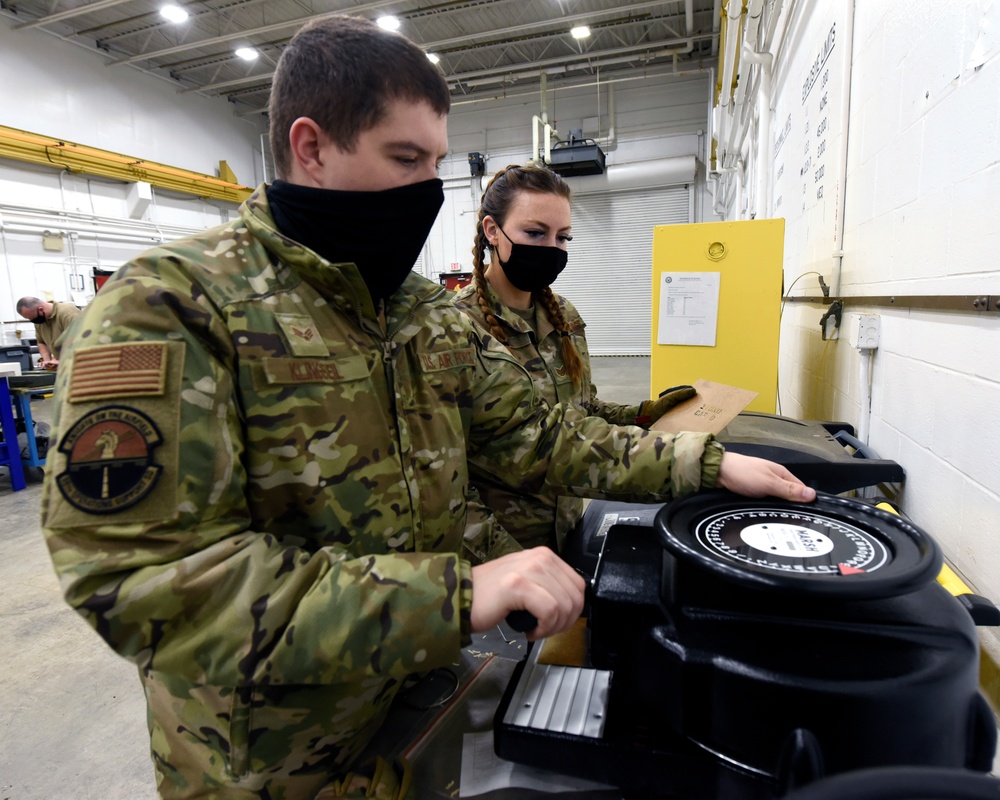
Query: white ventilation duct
[(638, 175)]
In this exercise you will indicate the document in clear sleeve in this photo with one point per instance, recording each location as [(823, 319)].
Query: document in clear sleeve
[(689, 308)]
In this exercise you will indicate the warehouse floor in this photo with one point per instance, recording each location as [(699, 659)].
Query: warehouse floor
[(72, 714)]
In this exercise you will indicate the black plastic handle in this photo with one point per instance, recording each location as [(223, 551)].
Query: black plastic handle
[(864, 451), (522, 621)]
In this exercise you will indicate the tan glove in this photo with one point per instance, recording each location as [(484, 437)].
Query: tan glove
[(652, 410), (377, 779)]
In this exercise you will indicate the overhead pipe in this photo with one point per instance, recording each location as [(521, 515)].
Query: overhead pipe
[(611, 142), (507, 77), (562, 63), (48, 151), (733, 12), (491, 77), (508, 95), (753, 12), (773, 11), (97, 5), (730, 37), (764, 62), (688, 45), (543, 91), (716, 24), (845, 123), (741, 114), (32, 220), (762, 92), (550, 133)]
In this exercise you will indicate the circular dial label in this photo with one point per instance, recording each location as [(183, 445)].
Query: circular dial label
[(791, 541)]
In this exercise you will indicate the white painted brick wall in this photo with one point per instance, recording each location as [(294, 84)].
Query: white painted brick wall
[(921, 218)]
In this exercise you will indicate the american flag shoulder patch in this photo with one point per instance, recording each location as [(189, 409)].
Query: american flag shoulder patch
[(130, 369)]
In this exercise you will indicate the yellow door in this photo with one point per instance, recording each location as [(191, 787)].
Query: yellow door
[(733, 340)]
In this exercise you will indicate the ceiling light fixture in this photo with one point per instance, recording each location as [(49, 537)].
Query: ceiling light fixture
[(434, 58), (247, 53), (580, 32), (173, 13), (388, 22)]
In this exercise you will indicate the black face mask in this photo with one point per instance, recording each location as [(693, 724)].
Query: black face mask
[(381, 232), (39, 318), (532, 267)]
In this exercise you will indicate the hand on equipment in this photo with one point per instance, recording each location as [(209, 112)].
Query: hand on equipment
[(537, 581), (757, 477), (652, 410)]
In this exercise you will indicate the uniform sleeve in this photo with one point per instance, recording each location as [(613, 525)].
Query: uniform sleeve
[(537, 447), (485, 538), (612, 413), (146, 516)]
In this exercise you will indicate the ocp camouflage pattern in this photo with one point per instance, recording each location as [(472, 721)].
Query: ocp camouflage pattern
[(548, 517), (293, 552)]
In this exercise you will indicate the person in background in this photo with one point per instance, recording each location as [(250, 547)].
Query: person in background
[(524, 222), (267, 432), (51, 320)]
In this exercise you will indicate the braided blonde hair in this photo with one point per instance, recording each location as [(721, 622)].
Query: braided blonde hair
[(500, 194)]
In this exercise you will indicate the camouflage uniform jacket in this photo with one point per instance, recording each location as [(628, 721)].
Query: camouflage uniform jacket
[(539, 519), (258, 494)]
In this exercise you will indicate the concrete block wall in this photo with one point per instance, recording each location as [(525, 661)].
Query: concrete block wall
[(922, 181)]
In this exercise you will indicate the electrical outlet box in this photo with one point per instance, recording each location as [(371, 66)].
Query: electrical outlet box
[(868, 332)]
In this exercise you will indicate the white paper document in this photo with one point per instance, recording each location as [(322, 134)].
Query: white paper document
[(689, 308), (483, 771)]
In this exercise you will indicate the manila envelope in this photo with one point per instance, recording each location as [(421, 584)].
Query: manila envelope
[(709, 411)]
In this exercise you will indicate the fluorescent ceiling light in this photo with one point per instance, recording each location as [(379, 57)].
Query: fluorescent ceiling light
[(246, 53), (580, 32), (433, 58), (173, 13), (390, 23)]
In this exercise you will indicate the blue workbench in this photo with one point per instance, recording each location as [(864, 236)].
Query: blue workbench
[(21, 399), (10, 450)]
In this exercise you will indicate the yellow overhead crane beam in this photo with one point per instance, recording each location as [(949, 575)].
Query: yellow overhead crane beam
[(79, 158)]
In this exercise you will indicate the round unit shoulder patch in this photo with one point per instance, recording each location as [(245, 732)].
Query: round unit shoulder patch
[(109, 460)]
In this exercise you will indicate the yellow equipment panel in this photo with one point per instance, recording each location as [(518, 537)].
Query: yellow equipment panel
[(747, 255)]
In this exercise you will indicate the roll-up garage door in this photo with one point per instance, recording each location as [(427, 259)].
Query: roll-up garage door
[(609, 274)]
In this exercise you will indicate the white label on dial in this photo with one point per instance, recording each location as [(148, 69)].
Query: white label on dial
[(781, 539)]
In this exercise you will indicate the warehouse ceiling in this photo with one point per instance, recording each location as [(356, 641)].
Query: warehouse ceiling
[(484, 47)]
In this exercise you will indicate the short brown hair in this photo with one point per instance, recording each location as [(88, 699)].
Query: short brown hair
[(341, 72)]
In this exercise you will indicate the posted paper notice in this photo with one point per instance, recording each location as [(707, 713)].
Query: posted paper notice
[(689, 308)]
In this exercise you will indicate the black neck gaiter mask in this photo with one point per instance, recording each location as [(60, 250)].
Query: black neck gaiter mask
[(380, 232)]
